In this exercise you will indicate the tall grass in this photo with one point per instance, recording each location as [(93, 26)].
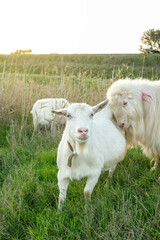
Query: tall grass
[(19, 93), (124, 207), (21, 86), (100, 65)]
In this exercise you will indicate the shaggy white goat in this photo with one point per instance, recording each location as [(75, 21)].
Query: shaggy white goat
[(89, 145), (42, 115), (42, 112), (136, 107)]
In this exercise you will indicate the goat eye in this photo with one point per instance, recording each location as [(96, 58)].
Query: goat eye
[(125, 104), (69, 116)]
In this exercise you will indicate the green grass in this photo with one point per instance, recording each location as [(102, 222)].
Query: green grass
[(125, 207)]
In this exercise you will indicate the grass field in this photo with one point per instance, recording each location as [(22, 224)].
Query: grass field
[(126, 207)]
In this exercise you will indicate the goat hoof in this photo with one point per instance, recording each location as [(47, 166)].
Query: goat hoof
[(87, 195), (158, 180), (60, 203), (153, 168)]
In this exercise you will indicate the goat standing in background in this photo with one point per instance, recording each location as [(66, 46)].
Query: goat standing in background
[(42, 113)]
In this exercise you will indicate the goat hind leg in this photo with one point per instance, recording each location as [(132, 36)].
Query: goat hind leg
[(156, 160), (111, 171)]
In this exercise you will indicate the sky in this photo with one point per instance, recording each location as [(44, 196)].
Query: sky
[(76, 26)]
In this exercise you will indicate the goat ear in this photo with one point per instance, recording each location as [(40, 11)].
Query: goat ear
[(100, 106), (60, 112)]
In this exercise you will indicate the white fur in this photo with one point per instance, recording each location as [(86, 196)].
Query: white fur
[(140, 115), (102, 149), (42, 115)]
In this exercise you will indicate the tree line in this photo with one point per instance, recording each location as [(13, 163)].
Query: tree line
[(21, 51)]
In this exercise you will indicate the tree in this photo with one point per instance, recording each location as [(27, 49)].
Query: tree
[(150, 41), (21, 51)]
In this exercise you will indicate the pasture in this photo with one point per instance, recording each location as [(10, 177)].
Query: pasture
[(125, 207)]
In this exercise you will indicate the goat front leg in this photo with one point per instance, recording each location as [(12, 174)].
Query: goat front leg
[(90, 184), (156, 160), (63, 186), (53, 127)]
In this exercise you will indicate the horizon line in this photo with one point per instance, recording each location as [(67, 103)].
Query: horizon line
[(74, 53)]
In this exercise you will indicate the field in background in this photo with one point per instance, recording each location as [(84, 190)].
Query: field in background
[(97, 65), (78, 78), (128, 206)]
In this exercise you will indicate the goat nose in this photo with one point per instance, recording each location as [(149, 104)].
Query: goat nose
[(83, 131), (121, 125)]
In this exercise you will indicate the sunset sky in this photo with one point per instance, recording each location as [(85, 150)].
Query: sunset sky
[(76, 26)]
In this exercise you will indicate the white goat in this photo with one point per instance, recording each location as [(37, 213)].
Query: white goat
[(42, 115), (136, 107), (89, 145)]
